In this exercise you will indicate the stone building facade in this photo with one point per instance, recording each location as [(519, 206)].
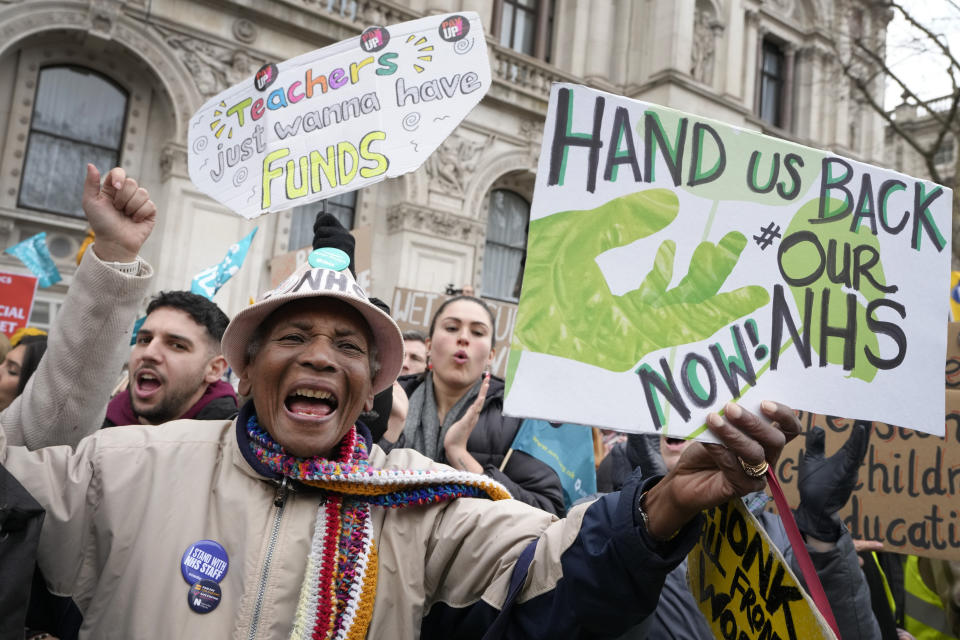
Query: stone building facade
[(117, 81), (924, 129), (921, 127)]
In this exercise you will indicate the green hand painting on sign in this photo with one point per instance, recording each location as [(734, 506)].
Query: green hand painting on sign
[(567, 308)]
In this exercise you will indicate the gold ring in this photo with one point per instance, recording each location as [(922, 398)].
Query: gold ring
[(754, 470)]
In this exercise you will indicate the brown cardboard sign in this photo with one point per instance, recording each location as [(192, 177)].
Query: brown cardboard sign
[(906, 495), (953, 356)]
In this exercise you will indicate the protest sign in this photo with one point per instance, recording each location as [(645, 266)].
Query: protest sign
[(955, 296), (16, 301), (675, 263), (743, 585), (414, 309), (906, 493), (339, 118), (565, 448), (283, 265)]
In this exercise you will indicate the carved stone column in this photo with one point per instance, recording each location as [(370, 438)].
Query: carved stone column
[(786, 109), (758, 79), (540, 46), (496, 19)]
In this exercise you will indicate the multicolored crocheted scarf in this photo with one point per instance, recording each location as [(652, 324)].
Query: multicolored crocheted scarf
[(336, 598)]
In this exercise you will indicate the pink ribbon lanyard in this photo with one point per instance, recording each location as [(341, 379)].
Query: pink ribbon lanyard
[(800, 552)]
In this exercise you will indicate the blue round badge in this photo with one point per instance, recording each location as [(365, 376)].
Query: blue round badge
[(204, 560), (204, 596), (328, 258)]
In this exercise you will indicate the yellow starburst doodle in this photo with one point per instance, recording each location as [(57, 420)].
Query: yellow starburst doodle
[(216, 123), (424, 50)]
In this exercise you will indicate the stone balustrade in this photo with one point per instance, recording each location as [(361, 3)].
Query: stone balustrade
[(521, 73)]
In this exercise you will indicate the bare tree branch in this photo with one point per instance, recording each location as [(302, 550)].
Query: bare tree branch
[(906, 136), (944, 48), (935, 120), (882, 64)]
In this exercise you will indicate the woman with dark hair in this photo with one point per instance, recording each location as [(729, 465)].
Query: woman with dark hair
[(455, 413), (18, 366)]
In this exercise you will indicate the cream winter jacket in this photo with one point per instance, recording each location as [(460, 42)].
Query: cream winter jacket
[(125, 505), (66, 398)]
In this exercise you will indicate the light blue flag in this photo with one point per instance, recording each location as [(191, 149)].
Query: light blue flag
[(136, 329), (567, 449), (208, 282), (34, 253)]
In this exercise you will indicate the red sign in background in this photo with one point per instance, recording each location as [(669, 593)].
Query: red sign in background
[(16, 301)]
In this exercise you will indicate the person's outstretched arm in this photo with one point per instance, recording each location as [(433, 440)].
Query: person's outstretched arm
[(66, 398), (599, 571)]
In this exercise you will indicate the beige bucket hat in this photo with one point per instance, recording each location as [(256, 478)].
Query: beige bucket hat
[(310, 282)]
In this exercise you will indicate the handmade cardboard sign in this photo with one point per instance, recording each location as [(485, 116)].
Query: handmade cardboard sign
[(952, 370), (414, 309), (743, 585), (675, 263), (16, 301), (906, 494), (339, 118)]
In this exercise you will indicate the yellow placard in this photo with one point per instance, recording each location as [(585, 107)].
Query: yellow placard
[(955, 296), (743, 585)]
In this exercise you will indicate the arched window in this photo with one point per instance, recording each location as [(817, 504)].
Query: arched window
[(78, 117), (506, 250)]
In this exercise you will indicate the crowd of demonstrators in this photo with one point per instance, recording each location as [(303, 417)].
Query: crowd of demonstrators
[(175, 368), (298, 495), (455, 413), (414, 353), (331, 484)]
